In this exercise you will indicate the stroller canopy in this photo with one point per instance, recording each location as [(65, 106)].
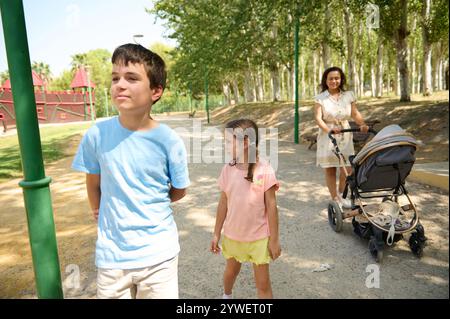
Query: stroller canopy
[(391, 135)]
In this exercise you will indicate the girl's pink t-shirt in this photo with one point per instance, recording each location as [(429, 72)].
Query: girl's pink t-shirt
[(247, 218)]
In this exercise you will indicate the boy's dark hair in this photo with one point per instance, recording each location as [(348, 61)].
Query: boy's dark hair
[(324, 85), (249, 130), (153, 63)]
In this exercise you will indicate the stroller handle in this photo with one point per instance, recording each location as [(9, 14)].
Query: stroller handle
[(347, 130)]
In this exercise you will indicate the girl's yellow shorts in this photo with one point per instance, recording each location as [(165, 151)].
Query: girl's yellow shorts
[(256, 252)]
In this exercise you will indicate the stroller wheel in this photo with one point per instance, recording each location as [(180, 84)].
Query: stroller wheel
[(335, 216), (416, 244), (375, 251), (417, 241)]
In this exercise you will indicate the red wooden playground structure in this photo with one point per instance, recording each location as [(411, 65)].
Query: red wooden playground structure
[(52, 106)]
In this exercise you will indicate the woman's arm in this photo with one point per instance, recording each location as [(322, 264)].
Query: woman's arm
[(272, 213), (93, 192), (220, 219), (318, 117), (357, 117)]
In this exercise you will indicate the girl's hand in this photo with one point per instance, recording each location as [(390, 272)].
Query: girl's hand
[(274, 249), (215, 249), (364, 128)]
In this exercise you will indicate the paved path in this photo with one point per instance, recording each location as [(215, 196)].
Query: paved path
[(307, 240)]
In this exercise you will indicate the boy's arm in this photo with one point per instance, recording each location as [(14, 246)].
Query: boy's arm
[(176, 194), (272, 213), (94, 193), (220, 218)]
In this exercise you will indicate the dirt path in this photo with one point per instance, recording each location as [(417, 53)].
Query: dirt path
[(307, 240)]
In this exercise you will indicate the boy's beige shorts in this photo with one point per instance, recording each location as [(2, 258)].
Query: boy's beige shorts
[(155, 282)]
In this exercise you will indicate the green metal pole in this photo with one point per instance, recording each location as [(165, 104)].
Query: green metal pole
[(206, 94), (296, 118), (36, 192), (106, 102)]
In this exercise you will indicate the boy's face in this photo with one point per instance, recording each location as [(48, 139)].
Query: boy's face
[(130, 88)]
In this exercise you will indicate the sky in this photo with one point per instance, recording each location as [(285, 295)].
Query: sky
[(58, 29)]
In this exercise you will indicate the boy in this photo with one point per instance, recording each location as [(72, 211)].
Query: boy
[(135, 167)]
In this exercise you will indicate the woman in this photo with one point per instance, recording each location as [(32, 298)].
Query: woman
[(333, 108)]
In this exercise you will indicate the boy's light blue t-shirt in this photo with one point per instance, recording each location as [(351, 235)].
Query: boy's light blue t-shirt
[(136, 227)]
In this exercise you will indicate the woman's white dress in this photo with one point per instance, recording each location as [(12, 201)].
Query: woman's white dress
[(335, 113)]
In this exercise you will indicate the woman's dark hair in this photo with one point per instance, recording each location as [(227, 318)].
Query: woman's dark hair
[(324, 85), (249, 129)]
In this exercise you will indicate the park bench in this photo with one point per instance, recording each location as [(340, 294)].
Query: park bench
[(359, 138), (191, 114)]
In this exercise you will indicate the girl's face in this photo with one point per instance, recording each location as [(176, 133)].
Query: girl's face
[(234, 147), (333, 80)]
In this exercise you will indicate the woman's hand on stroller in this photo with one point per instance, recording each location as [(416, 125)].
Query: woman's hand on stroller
[(364, 128), (335, 130)]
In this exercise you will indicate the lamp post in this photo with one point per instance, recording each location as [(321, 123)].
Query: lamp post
[(137, 36)]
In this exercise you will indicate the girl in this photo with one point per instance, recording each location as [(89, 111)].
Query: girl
[(333, 108), (247, 209)]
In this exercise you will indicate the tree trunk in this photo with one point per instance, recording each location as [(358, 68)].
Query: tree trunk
[(400, 37), (360, 72), (426, 47), (413, 70), (350, 54), (419, 81), (260, 85), (325, 47), (412, 56), (389, 68), (275, 83), (303, 82), (361, 79), (379, 72), (236, 91), (440, 73), (248, 87), (288, 83), (371, 66), (314, 77), (320, 69), (282, 83), (263, 82), (226, 92), (252, 82)]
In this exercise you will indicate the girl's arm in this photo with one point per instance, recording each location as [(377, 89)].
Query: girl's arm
[(357, 117), (220, 218), (318, 117), (93, 192), (272, 212)]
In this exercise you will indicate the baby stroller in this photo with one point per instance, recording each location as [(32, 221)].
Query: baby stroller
[(379, 171)]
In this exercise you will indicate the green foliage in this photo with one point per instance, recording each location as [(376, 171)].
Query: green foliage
[(62, 82)]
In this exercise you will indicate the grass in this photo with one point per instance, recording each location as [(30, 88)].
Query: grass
[(54, 141)]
